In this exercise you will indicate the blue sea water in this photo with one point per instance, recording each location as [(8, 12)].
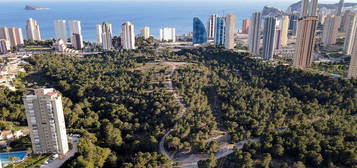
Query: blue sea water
[(155, 14)]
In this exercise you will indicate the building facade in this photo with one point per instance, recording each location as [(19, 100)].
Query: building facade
[(268, 38), (231, 30), (33, 30), (168, 34), (330, 31), (254, 34), (16, 37), (127, 36), (306, 32), (245, 26), (351, 33), (75, 28), (107, 43), (46, 122), (61, 30), (211, 26), (220, 30), (352, 71), (99, 33), (4, 46), (77, 41), (284, 27), (199, 32), (145, 32)]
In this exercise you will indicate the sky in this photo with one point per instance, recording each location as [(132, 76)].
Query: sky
[(258, 1)]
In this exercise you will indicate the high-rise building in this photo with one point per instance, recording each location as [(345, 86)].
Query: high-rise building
[(284, 27), (168, 34), (306, 34), (127, 36), (277, 38), (305, 41), (231, 30), (60, 29), (352, 71), (245, 26), (107, 43), (199, 32), (351, 33), (4, 46), (145, 32), (268, 38), (99, 33), (329, 35), (33, 30), (16, 37), (77, 41), (75, 28), (294, 19), (344, 25), (4, 33), (219, 38), (211, 26), (46, 122), (340, 8), (254, 34)]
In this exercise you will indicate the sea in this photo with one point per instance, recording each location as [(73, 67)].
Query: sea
[(155, 14)]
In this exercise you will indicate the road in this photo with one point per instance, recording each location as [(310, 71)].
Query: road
[(59, 162)]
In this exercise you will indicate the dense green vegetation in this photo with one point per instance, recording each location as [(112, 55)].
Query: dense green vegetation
[(122, 111)]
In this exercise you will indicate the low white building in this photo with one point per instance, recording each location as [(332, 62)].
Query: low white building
[(168, 34)]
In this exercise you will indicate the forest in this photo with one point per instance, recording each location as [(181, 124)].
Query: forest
[(303, 119)]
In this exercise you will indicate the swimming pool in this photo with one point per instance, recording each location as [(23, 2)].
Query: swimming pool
[(4, 157)]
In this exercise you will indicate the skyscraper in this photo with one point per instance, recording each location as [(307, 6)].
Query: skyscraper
[(60, 29), (77, 41), (46, 122), (220, 30), (293, 23), (33, 30), (329, 35), (284, 27), (168, 34), (211, 26), (306, 35), (199, 32), (245, 26), (254, 33), (13, 35), (340, 8), (127, 36), (352, 71), (16, 37), (145, 32), (351, 33), (75, 30), (107, 43), (268, 38), (99, 33), (231, 21), (344, 25)]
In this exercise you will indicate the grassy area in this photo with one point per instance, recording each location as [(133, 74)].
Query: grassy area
[(335, 68)]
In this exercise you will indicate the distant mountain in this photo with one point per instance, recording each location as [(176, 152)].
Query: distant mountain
[(30, 7), (297, 6), (271, 11)]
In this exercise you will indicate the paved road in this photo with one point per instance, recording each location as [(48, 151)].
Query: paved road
[(59, 162)]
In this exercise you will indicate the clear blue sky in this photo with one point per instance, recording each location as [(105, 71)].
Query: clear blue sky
[(261, 1)]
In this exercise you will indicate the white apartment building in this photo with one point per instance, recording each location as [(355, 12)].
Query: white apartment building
[(46, 122)]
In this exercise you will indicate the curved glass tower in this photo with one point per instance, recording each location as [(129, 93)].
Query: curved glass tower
[(199, 32)]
